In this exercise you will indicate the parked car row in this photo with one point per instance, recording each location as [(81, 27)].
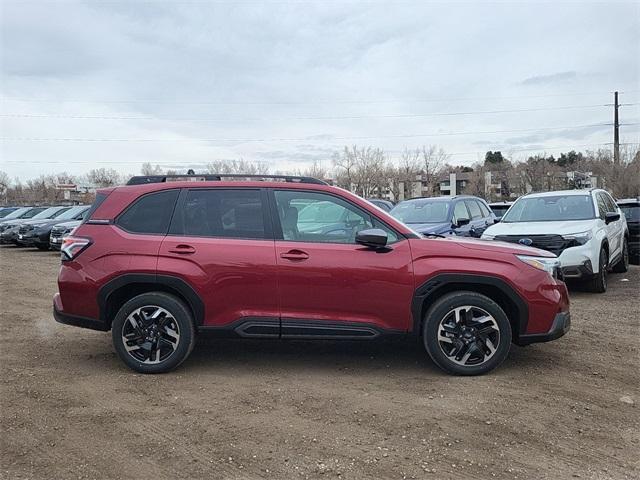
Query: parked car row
[(34, 226)]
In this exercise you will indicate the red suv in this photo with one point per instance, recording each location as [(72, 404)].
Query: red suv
[(291, 257)]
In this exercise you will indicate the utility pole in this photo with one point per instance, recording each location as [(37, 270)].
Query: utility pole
[(616, 130)]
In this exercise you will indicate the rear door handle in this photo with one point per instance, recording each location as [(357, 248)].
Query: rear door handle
[(183, 249), (295, 255)]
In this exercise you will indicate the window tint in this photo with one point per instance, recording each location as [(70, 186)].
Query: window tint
[(460, 211), (474, 209), (230, 213), (632, 212), (322, 218), (149, 214)]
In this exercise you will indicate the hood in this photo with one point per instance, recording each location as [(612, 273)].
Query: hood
[(504, 247), (431, 227), (566, 227)]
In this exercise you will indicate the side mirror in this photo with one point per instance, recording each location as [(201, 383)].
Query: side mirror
[(497, 219), (372, 238), (461, 222), (611, 217)]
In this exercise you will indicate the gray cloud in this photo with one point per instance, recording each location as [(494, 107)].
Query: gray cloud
[(550, 79), (252, 68)]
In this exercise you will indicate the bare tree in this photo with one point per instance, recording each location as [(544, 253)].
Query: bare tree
[(104, 177), (148, 169), (5, 183), (238, 167), (433, 160), (406, 174)]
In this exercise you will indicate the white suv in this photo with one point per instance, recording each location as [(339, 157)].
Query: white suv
[(584, 228)]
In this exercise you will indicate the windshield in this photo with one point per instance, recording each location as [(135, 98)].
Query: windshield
[(17, 213), (6, 211), (33, 213), (632, 212), (51, 212), (421, 212), (551, 209), (71, 213)]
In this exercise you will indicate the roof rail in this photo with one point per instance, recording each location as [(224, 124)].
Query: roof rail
[(217, 177)]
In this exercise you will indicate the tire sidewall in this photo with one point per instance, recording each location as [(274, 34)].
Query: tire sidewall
[(443, 306), (183, 318)]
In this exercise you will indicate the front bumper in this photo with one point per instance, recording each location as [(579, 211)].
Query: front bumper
[(9, 237), (561, 325), (75, 320), (578, 271), (576, 262)]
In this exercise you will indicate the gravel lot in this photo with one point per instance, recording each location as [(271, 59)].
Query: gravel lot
[(270, 409)]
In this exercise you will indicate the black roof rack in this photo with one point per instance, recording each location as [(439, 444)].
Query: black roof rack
[(217, 177)]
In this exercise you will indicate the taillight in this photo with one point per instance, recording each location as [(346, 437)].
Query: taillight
[(73, 246)]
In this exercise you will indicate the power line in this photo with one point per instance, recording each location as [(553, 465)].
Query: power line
[(342, 117), (313, 102), (322, 137)]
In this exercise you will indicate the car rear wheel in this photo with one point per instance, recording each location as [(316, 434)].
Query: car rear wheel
[(623, 265), (598, 284), (153, 332), (466, 333)]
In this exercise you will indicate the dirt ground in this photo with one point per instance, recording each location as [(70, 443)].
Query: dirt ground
[(272, 409)]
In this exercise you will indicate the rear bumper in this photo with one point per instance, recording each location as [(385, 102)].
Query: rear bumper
[(75, 320), (561, 325)]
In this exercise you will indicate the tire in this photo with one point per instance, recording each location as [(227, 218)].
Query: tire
[(42, 247), (623, 265), (598, 284), (153, 320), (452, 324)]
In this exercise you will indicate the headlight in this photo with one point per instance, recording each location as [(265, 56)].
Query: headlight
[(580, 238), (549, 265)]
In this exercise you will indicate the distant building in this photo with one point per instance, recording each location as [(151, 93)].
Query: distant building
[(453, 183)]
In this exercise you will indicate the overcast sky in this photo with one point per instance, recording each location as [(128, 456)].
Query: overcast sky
[(118, 83)]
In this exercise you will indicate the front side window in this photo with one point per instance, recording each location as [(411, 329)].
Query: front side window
[(225, 213), (322, 218), (611, 205), (556, 208), (474, 209), (485, 210), (460, 211), (602, 205), (150, 214)]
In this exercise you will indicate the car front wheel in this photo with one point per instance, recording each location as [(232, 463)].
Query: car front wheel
[(153, 332), (623, 265), (598, 283), (466, 333)]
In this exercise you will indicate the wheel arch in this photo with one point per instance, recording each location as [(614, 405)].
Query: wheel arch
[(495, 288), (120, 289)]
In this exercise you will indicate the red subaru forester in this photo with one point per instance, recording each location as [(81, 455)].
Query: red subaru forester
[(163, 258)]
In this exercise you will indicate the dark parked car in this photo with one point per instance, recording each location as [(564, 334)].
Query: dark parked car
[(36, 233), (631, 209), (462, 215), (385, 205), (500, 208), (9, 229), (61, 230), (156, 262)]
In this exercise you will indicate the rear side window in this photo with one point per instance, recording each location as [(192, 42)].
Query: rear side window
[(230, 213), (474, 209), (151, 213)]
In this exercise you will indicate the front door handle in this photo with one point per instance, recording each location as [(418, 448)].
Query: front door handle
[(295, 255), (183, 249)]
